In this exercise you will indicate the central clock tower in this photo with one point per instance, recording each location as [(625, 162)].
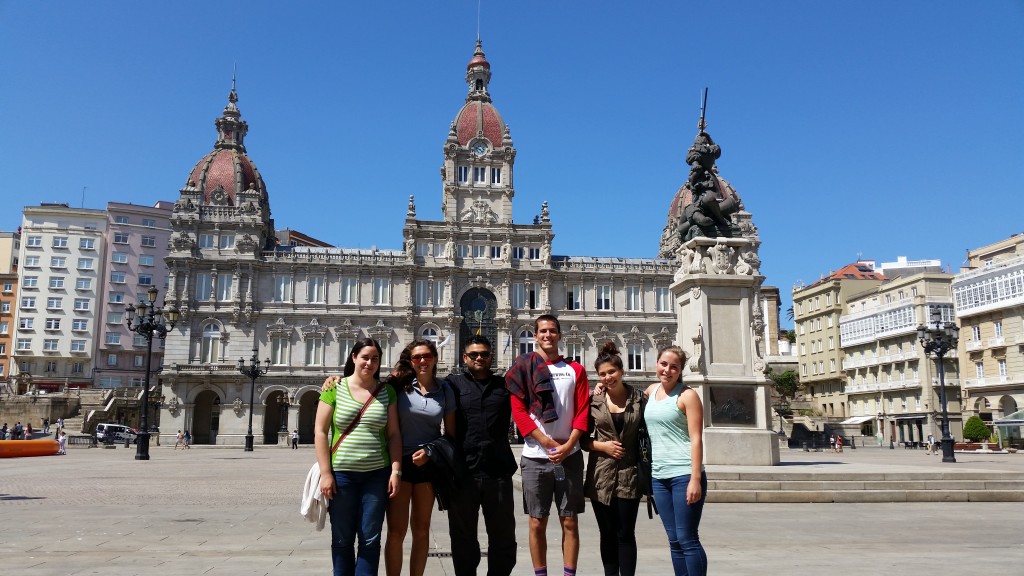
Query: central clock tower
[(478, 156)]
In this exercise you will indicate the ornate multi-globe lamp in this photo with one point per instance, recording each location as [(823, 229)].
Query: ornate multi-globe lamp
[(147, 320), (939, 338)]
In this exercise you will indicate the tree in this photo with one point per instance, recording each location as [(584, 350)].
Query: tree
[(789, 312), (975, 430), (786, 384)]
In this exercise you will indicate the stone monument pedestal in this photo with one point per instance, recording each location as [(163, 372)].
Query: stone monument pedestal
[(721, 326)]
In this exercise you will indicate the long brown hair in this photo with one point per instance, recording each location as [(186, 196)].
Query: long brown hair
[(405, 363)]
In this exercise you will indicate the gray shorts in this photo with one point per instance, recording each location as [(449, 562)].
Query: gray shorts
[(539, 486)]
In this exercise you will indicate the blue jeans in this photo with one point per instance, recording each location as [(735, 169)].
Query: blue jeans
[(681, 521), (358, 510)]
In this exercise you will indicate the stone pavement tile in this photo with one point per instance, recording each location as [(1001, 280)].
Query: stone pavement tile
[(218, 511)]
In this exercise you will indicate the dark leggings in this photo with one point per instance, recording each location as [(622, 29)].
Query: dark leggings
[(617, 523)]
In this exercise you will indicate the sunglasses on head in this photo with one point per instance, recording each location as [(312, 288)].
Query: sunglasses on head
[(475, 355)]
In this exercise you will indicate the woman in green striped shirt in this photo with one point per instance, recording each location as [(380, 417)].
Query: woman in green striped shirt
[(366, 470)]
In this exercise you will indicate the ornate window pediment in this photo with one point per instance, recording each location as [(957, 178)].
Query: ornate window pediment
[(573, 335), (663, 338), (313, 330), (635, 335), (605, 335), (279, 328), (346, 330), (380, 332)]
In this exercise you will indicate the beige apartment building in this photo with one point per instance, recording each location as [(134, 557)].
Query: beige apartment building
[(816, 312), (893, 387), (989, 299), (9, 245)]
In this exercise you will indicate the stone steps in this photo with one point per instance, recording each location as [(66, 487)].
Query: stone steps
[(938, 486)]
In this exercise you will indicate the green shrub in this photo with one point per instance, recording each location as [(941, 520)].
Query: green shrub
[(975, 430)]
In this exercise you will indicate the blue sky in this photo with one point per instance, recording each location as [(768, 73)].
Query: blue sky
[(872, 128)]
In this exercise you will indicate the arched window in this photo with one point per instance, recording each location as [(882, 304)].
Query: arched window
[(211, 344), (429, 334), (526, 341)]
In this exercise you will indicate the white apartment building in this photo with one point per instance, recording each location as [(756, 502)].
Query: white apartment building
[(55, 323), (989, 298), (892, 387)]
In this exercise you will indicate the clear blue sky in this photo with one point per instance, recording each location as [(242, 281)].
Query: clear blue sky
[(873, 128)]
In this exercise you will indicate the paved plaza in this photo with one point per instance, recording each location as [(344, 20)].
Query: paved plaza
[(214, 510)]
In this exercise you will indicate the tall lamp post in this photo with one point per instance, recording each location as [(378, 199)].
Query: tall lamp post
[(253, 371), (938, 337), (147, 320)]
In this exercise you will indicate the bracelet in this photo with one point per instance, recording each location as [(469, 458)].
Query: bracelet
[(397, 473)]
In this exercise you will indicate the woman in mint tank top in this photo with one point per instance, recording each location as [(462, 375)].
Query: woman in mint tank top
[(675, 421), (365, 471)]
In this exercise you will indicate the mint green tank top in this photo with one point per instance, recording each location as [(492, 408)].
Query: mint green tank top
[(670, 437)]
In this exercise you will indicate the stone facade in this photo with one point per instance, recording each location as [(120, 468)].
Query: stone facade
[(892, 387), (10, 243), (136, 240), (816, 312), (989, 294), (474, 270)]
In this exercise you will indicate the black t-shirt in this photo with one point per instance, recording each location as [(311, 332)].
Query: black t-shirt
[(483, 413)]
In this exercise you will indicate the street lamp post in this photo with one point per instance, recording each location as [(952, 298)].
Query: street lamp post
[(253, 371), (282, 405), (147, 320), (939, 340)]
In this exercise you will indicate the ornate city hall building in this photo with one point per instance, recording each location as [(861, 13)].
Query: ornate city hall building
[(301, 307)]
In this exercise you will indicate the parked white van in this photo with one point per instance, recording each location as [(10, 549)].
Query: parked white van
[(118, 432)]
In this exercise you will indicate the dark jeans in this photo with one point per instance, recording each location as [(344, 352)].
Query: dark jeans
[(358, 510), (681, 522), (494, 495), (617, 523)]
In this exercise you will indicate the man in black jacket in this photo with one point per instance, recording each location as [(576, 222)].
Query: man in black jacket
[(483, 415)]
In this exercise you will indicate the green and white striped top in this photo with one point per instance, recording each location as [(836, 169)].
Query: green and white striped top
[(365, 448)]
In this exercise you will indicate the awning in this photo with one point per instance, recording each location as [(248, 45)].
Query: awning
[(1015, 419), (857, 420), (909, 417)]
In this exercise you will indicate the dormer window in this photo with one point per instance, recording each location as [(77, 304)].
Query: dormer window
[(463, 173), (479, 175)]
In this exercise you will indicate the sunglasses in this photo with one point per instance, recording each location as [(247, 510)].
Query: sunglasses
[(475, 355), (422, 357)]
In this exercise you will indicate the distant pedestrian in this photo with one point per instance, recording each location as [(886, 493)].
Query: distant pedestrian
[(28, 432), (3, 432), (295, 439), (60, 423), (46, 425), (832, 442), (839, 443), (179, 440), (188, 439), (62, 443)]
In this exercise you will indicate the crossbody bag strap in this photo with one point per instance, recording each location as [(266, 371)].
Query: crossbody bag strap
[(355, 421)]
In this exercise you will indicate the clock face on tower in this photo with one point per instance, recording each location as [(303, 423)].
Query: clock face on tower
[(479, 148)]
